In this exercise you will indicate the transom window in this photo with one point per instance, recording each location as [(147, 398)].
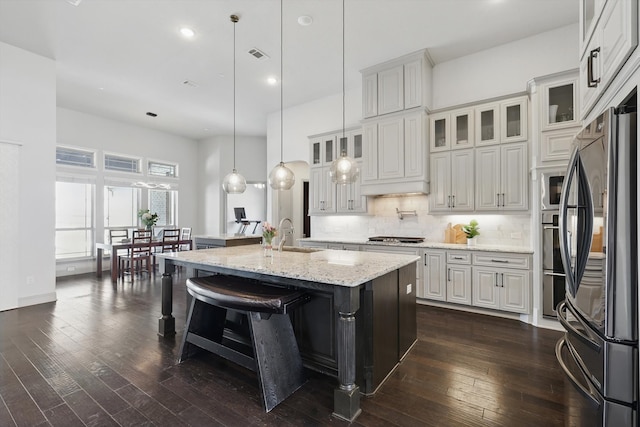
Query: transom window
[(162, 169), (114, 162), (75, 157)]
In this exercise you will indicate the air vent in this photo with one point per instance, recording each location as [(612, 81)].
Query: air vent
[(190, 83), (258, 54)]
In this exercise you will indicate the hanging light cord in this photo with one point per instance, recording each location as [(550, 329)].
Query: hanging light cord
[(343, 93), (234, 19), (281, 89)]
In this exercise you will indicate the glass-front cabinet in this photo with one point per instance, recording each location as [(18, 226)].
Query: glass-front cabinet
[(323, 151), (514, 120), (487, 124), (452, 130), (559, 104), (590, 10), (351, 144)]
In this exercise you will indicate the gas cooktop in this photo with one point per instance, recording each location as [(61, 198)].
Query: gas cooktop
[(396, 239)]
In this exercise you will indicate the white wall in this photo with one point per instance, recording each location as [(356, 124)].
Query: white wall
[(505, 69), (28, 116), (215, 161)]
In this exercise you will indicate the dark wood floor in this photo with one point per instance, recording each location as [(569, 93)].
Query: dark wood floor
[(93, 358)]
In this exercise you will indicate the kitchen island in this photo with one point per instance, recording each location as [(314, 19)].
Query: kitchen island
[(358, 325)]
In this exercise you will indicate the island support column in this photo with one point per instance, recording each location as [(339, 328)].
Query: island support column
[(167, 323), (346, 398)]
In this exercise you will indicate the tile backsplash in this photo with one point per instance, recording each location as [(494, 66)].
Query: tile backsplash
[(495, 229)]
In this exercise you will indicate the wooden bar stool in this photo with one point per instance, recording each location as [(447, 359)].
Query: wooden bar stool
[(273, 353)]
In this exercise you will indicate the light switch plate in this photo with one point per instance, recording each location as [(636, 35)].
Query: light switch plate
[(408, 288)]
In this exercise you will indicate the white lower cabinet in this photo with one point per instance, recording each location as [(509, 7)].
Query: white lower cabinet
[(459, 284), (502, 281), (434, 283), (498, 281), (459, 277)]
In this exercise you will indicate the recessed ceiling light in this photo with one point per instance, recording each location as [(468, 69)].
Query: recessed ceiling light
[(272, 81), (305, 20), (187, 32)]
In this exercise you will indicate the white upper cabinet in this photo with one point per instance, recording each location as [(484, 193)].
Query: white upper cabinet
[(452, 130), (323, 150), (609, 36), (413, 84), (391, 90), (487, 124), (513, 115), (394, 155), (370, 95), (452, 180), (396, 85), (325, 196), (559, 102), (502, 178)]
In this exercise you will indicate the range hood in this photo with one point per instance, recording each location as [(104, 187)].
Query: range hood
[(395, 188)]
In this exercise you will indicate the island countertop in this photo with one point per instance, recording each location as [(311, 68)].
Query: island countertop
[(334, 267)]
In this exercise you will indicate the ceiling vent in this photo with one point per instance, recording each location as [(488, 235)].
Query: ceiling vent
[(258, 54), (190, 83)]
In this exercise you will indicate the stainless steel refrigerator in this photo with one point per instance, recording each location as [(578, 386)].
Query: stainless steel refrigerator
[(599, 248)]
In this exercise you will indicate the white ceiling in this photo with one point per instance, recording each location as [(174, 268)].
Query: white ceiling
[(122, 58)]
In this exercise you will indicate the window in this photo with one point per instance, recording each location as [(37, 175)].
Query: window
[(121, 163), (121, 206), (162, 169), (163, 202), (74, 220), (74, 157)]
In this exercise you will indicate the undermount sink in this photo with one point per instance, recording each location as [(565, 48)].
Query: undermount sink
[(299, 249)]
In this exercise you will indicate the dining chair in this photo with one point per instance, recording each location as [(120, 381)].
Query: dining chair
[(170, 239), (185, 234), (138, 257)]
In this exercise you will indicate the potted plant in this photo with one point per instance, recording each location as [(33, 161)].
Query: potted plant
[(471, 230)]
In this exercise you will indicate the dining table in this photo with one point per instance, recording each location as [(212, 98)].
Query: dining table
[(114, 247)]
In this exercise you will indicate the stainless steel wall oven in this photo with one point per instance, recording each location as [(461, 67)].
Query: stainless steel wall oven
[(553, 277)]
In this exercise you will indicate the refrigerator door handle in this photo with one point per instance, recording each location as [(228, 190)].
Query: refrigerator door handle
[(589, 392), (585, 218), (565, 250), (561, 310)]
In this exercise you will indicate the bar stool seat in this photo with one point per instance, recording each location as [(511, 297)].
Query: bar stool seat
[(273, 353)]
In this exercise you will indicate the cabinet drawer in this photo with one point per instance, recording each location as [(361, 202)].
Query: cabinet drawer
[(521, 261), (458, 257)]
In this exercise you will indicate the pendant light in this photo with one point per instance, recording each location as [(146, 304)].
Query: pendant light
[(344, 170), (281, 177), (234, 183)]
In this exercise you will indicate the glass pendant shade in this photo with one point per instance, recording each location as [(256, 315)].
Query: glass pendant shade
[(344, 170), (281, 177), (234, 183)]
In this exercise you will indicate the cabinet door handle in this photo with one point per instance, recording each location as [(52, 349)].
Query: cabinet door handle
[(504, 261), (448, 201), (502, 199), (498, 199), (453, 205), (496, 281), (502, 280), (425, 260), (448, 274), (591, 82), (458, 257)]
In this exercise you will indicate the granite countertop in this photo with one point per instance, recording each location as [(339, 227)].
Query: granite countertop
[(229, 236), (425, 245), (334, 267)]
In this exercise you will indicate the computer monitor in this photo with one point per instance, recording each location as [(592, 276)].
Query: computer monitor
[(240, 215)]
